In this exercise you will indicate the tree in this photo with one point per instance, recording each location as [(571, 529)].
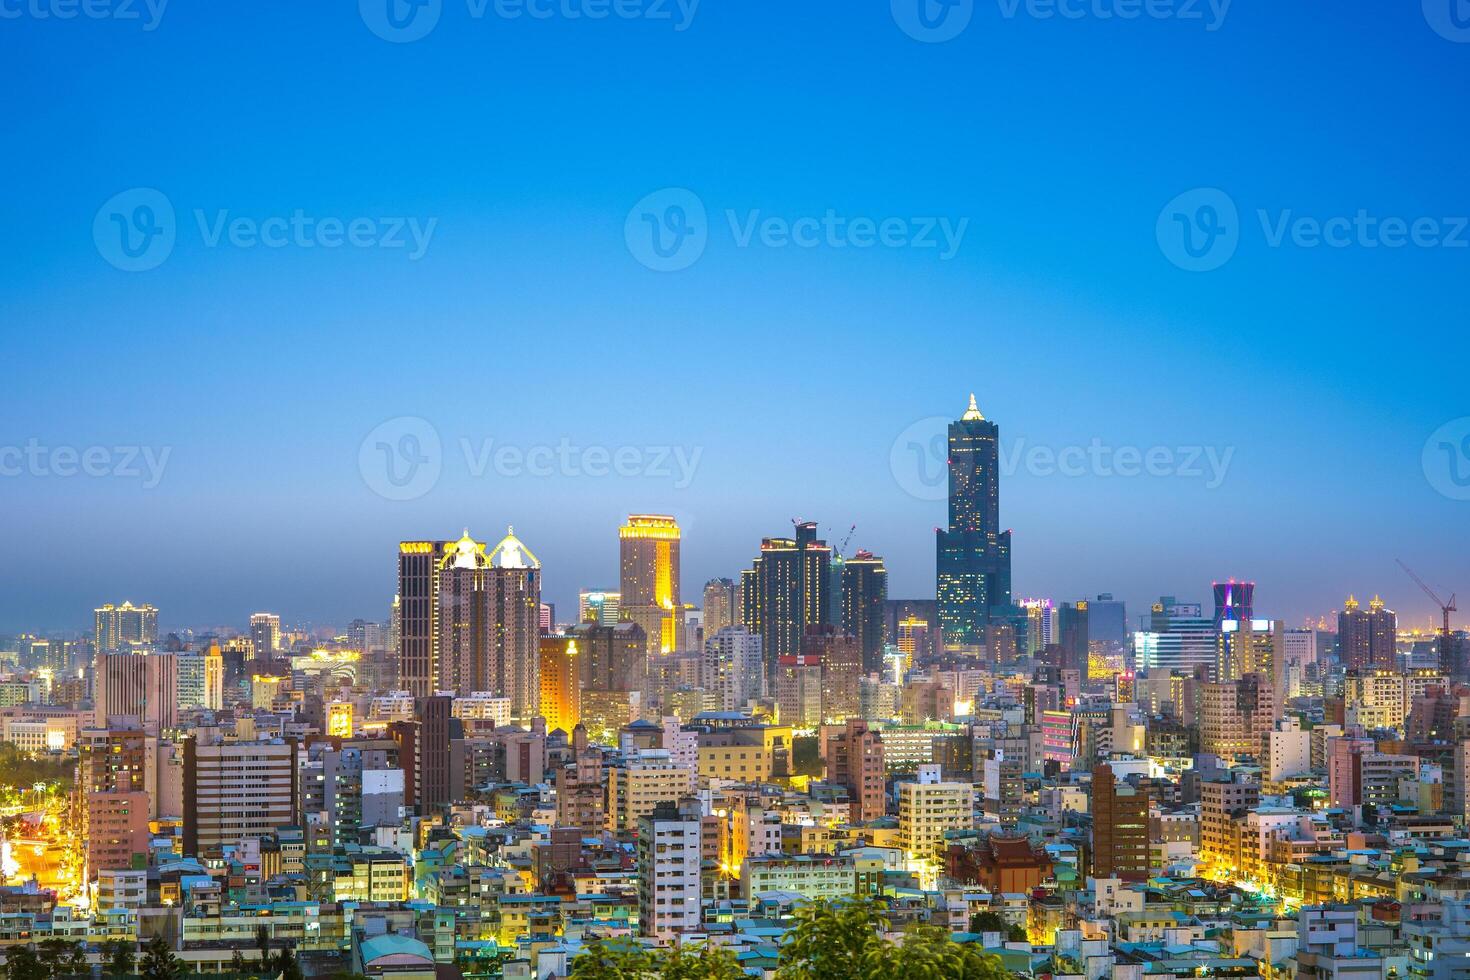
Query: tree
[(22, 963), (623, 960), (988, 921), (843, 941), (263, 943), (238, 966), (119, 958), (620, 960), (287, 967), (53, 955), (699, 961), (159, 961), (76, 961)]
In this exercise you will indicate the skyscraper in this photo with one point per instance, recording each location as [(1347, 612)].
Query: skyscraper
[(1234, 601), (864, 593), (1366, 638), (1119, 827), (141, 686), (734, 670), (972, 556), (483, 634), (721, 606), (785, 591), (1072, 633), (600, 606), (649, 578), (265, 633), (561, 683), (1180, 637), (125, 627)]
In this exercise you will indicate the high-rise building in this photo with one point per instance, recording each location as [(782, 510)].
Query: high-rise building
[(1107, 624), (1040, 625), (864, 595), (734, 669), (1252, 646), (721, 606), (1366, 638), (649, 579), (125, 627), (840, 658), (236, 789), (1234, 601), (482, 633), (973, 555), (141, 686), (669, 856), (561, 683), (854, 757), (1120, 834), (1072, 637), (435, 727), (785, 591), (1235, 717), (1180, 637), (927, 807), (798, 690), (602, 607), (265, 634), (201, 679), (612, 658)]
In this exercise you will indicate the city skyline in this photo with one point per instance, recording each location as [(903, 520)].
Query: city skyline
[(1058, 309)]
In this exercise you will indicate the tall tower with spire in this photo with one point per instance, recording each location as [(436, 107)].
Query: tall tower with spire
[(973, 555)]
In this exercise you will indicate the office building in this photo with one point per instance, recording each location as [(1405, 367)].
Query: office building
[(602, 607), (1235, 717), (125, 627), (1120, 834), (481, 633), (612, 658), (1179, 638), (141, 686), (649, 578), (864, 596), (721, 606), (1366, 638), (1234, 602), (928, 807), (561, 683), (236, 789), (972, 555), (785, 591), (265, 635), (734, 671), (669, 857)]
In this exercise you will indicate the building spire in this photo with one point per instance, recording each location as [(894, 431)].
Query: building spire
[(972, 414)]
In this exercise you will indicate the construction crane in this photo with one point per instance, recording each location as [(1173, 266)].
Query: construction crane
[(1445, 608), (843, 547)]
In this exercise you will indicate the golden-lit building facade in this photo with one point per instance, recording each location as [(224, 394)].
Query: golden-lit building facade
[(561, 688), (649, 578), (339, 719)]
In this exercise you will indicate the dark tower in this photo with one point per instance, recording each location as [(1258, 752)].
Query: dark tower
[(973, 556)]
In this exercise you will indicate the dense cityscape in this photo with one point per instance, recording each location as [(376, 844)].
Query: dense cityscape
[(476, 783)]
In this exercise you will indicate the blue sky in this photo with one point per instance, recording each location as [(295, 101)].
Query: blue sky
[(792, 371)]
